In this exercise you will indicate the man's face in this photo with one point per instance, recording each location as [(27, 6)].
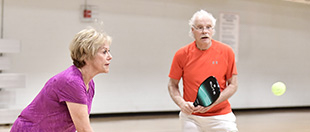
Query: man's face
[(203, 30)]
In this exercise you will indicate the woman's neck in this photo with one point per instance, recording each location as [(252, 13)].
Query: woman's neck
[(87, 75)]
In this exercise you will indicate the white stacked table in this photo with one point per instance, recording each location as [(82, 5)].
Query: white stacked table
[(9, 82)]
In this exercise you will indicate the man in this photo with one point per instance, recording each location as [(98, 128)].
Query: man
[(194, 63)]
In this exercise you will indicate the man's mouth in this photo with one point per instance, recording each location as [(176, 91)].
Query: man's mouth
[(204, 37)]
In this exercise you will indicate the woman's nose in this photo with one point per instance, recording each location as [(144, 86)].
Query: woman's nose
[(109, 56)]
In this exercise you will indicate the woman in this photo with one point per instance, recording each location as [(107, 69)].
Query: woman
[(64, 103)]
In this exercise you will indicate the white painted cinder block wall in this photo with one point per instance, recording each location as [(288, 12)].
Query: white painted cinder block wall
[(273, 46)]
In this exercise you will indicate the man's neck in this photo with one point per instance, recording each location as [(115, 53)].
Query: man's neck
[(203, 46)]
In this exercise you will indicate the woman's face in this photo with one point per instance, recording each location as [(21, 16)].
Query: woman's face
[(101, 61)]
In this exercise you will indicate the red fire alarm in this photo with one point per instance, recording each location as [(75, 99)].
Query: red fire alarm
[(87, 13)]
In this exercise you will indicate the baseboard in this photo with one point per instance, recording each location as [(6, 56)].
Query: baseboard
[(154, 113), (272, 108), (151, 113)]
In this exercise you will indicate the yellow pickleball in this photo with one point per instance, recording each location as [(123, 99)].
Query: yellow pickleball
[(278, 88)]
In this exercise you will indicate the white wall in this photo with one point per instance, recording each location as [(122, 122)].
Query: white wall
[(146, 33)]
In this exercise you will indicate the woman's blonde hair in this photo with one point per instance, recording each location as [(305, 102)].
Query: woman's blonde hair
[(86, 44)]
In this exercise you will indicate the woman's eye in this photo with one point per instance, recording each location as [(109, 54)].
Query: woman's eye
[(106, 51)]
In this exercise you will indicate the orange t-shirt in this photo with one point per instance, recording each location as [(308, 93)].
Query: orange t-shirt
[(194, 66)]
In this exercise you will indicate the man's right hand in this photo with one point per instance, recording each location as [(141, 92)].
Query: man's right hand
[(188, 108)]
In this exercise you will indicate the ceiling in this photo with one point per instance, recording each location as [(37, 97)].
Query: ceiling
[(300, 1)]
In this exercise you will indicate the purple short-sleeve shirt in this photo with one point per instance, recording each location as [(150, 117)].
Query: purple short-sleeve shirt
[(48, 112)]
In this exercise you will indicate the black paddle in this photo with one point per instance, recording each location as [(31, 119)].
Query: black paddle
[(208, 92)]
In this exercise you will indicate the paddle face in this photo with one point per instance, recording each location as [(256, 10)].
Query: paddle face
[(208, 92)]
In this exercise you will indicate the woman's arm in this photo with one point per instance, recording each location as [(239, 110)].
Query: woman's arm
[(80, 117)]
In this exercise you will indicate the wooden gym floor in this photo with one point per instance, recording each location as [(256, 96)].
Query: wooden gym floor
[(263, 120)]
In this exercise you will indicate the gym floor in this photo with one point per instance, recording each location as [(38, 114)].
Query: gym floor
[(263, 120)]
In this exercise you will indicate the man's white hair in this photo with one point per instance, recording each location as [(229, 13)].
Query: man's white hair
[(198, 14)]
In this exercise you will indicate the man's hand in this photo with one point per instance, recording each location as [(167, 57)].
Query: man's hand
[(188, 108), (201, 109)]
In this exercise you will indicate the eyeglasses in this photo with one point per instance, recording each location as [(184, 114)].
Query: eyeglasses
[(201, 28)]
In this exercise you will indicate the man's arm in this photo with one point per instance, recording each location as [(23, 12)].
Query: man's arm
[(173, 87), (225, 94)]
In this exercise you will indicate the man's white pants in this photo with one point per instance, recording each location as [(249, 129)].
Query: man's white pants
[(219, 123)]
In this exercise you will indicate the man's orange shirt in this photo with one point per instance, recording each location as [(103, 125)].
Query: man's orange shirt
[(194, 66)]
